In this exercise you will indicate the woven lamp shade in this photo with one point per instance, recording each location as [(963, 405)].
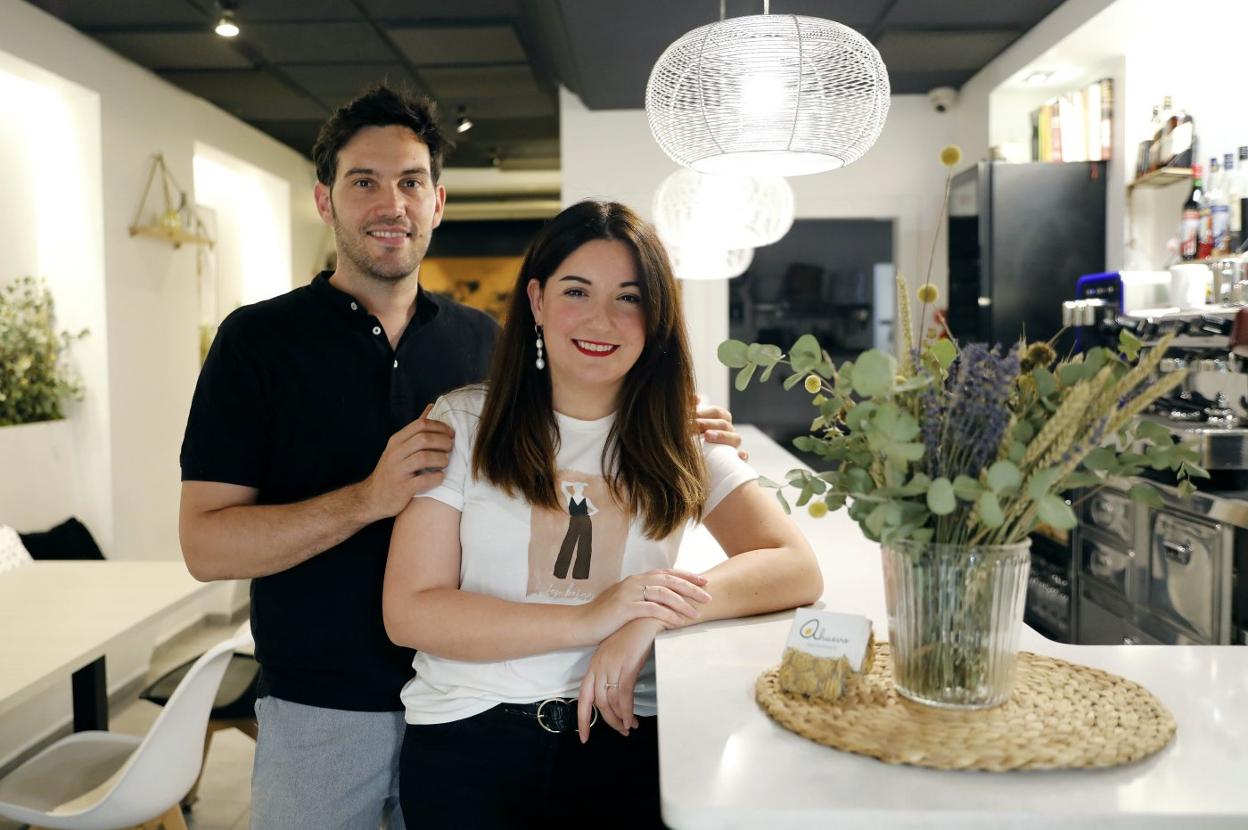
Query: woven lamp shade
[(782, 95), (709, 263), (724, 212)]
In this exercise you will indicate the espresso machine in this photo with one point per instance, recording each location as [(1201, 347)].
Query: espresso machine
[(1176, 573)]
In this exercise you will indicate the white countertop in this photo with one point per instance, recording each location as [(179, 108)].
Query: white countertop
[(725, 764)]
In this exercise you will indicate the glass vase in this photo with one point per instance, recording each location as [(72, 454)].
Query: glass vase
[(955, 613)]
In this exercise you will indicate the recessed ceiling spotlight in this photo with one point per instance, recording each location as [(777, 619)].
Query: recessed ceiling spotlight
[(463, 123), (227, 25), (1039, 77)]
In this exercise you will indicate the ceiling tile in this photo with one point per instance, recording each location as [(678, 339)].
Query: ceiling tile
[(176, 50), (268, 11), (933, 51), (943, 14), (318, 42), (249, 94), (298, 135), (920, 83), (335, 84), (87, 13), (459, 44), (483, 81), (441, 9)]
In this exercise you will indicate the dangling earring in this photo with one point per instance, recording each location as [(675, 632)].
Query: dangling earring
[(541, 361)]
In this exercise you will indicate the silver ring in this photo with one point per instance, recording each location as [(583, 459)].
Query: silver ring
[(644, 588), (612, 685)]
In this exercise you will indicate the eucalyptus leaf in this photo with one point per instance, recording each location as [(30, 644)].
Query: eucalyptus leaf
[(944, 351), (873, 373), (783, 501), (793, 380), (1016, 452), (1045, 384), (1024, 431), (1146, 494), (743, 377), (731, 353), (1072, 373), (1078, 479), (1055, 511), (990, 509), (1102, 458), (1129, 344), (1186, 489), (967, 488), (1004, 477), (1042, 482), (1194, 470), (805, 354), (1154, 432), (940, 498)]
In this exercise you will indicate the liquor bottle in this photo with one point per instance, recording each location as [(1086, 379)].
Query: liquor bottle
[(1190, 227), (1238, 192), (1163, 141), (1204, 230), (1144, 157), (1219, 210), (1182, 140)]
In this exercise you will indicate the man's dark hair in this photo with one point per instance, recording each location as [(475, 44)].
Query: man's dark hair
[(378, 106)]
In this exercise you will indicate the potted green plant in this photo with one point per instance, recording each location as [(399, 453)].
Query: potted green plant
[(949, 456), (36, 379)]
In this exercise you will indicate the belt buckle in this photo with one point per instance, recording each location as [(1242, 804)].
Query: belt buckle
[(541, 706)]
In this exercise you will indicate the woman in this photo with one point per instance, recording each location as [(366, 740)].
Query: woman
[(592, 383)]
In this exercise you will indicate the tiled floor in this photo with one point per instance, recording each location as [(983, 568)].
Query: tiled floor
[(225, 791)]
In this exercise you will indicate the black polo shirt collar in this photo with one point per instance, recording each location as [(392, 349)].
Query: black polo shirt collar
[(426, 303)]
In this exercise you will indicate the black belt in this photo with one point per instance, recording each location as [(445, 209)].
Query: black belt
[(554, 714)]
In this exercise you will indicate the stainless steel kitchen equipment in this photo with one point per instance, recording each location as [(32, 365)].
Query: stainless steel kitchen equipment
[(1176, 573)]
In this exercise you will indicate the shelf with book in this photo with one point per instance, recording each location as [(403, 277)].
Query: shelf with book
[(1162, 177), (1076, 125)]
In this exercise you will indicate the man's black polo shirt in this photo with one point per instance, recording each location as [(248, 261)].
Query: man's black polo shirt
[(298, 397)]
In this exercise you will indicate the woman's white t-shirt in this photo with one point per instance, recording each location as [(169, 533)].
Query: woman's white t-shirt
[(521, 553)]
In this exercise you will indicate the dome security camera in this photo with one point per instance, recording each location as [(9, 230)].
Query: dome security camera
[(943, 98)]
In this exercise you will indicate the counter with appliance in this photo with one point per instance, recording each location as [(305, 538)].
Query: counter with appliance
[(725, 764), (1173, 573)]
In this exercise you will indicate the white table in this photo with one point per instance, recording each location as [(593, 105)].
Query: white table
[(725, 764), (58, 619)]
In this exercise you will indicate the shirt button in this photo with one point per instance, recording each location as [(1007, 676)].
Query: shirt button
[(376, 329), (355, 307), (396, 364)]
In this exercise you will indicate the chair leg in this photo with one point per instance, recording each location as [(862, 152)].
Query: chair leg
[(173, 819)]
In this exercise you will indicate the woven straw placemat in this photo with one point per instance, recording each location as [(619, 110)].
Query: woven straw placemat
[(1059, 715)]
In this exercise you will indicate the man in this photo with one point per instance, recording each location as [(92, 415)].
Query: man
[(306, 437)]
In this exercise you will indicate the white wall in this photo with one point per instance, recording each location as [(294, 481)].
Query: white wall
[(612, 155), (149, 296), (104, 118)]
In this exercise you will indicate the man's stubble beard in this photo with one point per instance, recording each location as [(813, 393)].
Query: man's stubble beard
[(353, 249)]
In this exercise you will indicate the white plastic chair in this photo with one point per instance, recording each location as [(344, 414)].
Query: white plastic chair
[(107, 781)]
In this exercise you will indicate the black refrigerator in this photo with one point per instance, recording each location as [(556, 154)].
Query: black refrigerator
[(1020, 235)]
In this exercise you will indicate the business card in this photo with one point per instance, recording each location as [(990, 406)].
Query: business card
[(830, 635)]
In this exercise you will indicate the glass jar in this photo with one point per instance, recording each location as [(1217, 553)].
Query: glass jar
[(955, 615)]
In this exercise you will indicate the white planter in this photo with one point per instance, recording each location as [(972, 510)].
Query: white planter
[(40, 483)]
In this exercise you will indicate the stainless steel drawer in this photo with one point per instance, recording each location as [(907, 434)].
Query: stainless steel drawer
[(1100, 627), (1113, 513), (1186, 559), (1107, 563)]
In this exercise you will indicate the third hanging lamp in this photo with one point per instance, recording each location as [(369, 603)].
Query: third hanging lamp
[(782, 95)]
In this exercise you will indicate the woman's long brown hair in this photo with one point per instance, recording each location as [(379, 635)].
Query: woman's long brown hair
[(652, 465)]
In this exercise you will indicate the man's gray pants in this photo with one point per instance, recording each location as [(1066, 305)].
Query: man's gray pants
[(328, 769)]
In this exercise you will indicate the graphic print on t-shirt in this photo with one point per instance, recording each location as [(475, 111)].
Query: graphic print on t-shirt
[(578, 550)]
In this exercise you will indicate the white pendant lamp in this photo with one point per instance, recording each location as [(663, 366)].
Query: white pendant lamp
[(781, 95), (709, 263), (720, 212)]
